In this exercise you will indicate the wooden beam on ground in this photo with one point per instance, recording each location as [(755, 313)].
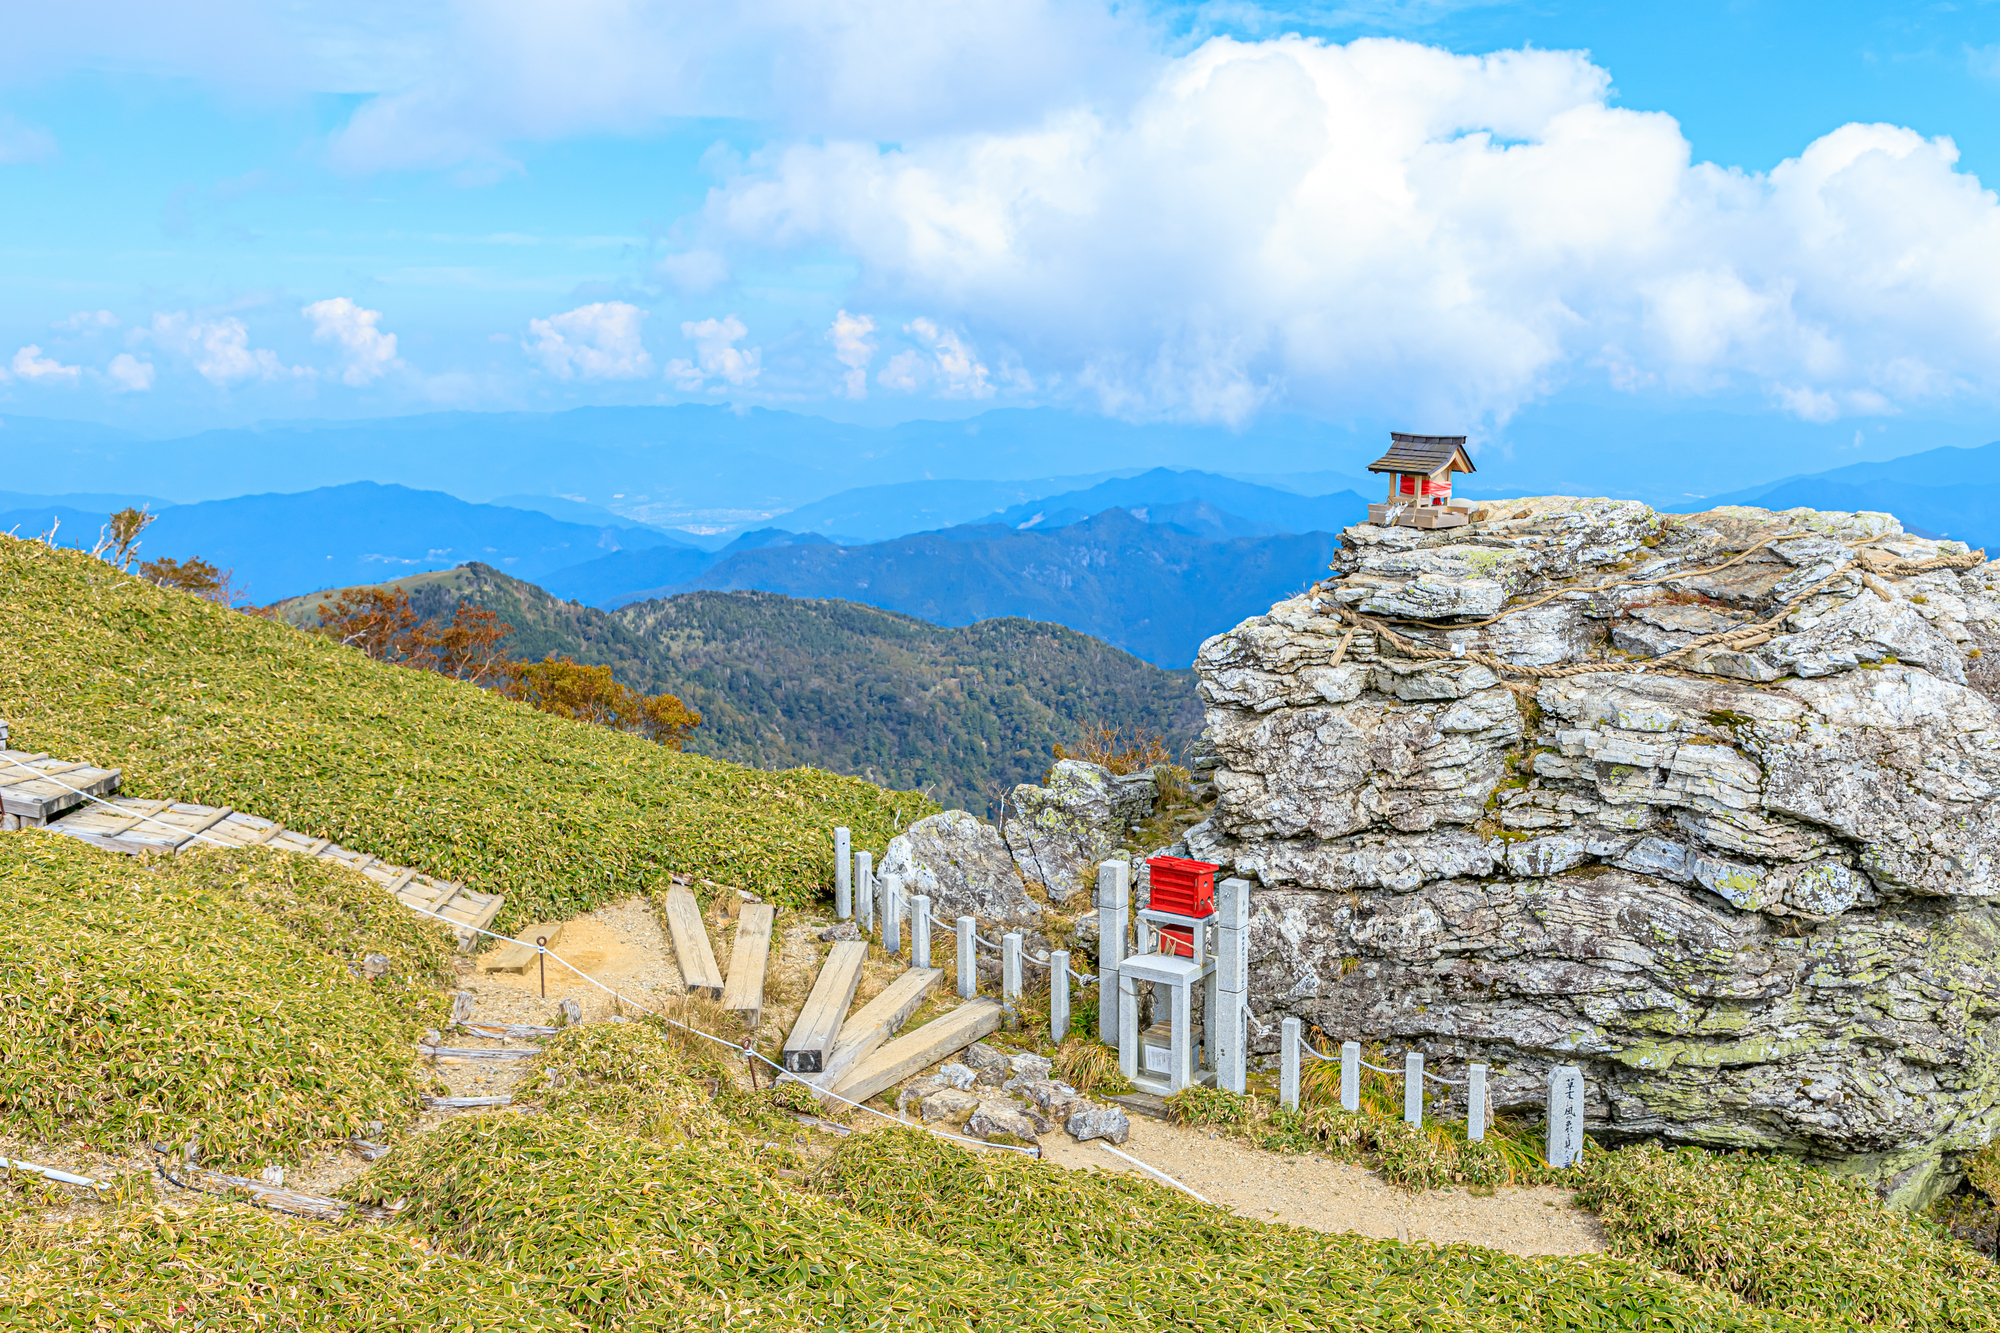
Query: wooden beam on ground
[(521, 951), (921, 1049), (691, 946), (744, 991), (818, 1029), (479, 1052), (877, 1021)]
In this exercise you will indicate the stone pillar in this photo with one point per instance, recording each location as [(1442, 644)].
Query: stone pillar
[(1565, 1116), (968, 959), (1413, 1089), (843, 875), (1180, 1048), (892, 914), (1288, 1067), (1058, 995), (1475, 1103), (1350, 1076), (1010, 979), (864, 889), (1226, 1020), (1113, 902), (920, 931), (1127, 1009)]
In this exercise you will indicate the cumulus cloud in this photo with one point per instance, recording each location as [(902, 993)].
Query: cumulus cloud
[(128, 374), (219, 349), (29, 364), (852, 349), (945, 363), (1391, 226), (716, 356), (599, 341), (367, 353)]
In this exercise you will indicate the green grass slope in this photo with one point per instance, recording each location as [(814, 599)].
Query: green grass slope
[(963, 713), (210, 996), (198, 703)]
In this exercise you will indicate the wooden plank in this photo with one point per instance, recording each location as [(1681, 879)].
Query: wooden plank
[(480, 1052), (877, 1021), (514, 956), (744, 991), (33, 793), (921, 1049), (814, 1035), (479, 1029), (460, 1103), (396, 884), (691, 944)]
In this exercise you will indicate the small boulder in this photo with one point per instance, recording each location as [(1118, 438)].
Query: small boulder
[(948, 1104), (988, 1065), (1025, 1066), (461, 1005), (961, 863), (993, 1118), (917, 1090), (1101, 1122), (842, 930), (957, 1075), (1056, 1100), (571, 1011)]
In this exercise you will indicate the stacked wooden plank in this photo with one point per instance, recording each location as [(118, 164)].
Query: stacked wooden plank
[(125, 824), (36, 788)]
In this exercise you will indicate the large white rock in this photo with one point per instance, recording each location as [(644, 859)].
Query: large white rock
[(1753, 896), (1080, 815), (963, 865)]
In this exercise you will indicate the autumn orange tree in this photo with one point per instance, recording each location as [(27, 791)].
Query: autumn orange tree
[(569, 688)]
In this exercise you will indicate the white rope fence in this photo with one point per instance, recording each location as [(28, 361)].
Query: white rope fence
[(744, 1048), (1565, 1134), (877, 908)]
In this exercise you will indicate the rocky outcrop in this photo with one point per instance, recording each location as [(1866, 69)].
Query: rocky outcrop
[(1059, 831), (963, 865), (1751, 889)]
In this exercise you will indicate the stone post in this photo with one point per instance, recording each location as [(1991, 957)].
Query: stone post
[(1350, 1076), (1475, 1103), (892, 914), (1113, 902), (1227, 1003), (843, 875), (864, 889), (1180, 1047), (968, 959), (1565, 1116), (1058, 995), (1288, 1068), (1127, 1009), (1010, 979), (920, 931), (1413, 1089)]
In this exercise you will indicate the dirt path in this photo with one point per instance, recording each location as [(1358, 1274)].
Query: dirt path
[(1327, 1195)]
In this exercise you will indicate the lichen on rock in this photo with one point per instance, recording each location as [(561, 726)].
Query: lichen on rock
[(1751, 890)]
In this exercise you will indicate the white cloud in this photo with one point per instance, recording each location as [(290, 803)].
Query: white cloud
[(951, 364), (219, 349), (29, 364), (716, 356), (852, 349), (21, 142), (600, 341), (695, 272), (86, 321), (128, 374), (1389, 226), (367, 353), (477, 78)]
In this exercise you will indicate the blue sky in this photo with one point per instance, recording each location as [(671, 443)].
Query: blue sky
[(1455, 216)]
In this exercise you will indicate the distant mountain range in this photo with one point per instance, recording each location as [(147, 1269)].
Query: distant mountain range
[(1946, 492), (282, 545), (964, 713), (1150, 589)]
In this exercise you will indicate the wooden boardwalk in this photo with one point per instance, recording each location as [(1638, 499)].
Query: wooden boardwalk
[(126, 824), (36, 788)]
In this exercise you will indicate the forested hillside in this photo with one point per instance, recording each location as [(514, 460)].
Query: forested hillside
[(782, 682)]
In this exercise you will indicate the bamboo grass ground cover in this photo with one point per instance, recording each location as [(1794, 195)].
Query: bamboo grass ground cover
[(198, 703), (207, 996)]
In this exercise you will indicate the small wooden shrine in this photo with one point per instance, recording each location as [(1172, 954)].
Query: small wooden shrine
[(1420, 468)]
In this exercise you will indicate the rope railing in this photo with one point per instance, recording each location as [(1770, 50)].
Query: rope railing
[(1565, 1132), (744, 1048)]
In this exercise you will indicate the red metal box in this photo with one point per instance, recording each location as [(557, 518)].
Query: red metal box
[(1185, 888)]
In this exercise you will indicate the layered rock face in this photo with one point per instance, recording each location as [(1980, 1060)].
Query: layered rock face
[(1750, 888)]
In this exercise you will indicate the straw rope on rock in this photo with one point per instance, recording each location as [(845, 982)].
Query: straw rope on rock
[(1707, 803)]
